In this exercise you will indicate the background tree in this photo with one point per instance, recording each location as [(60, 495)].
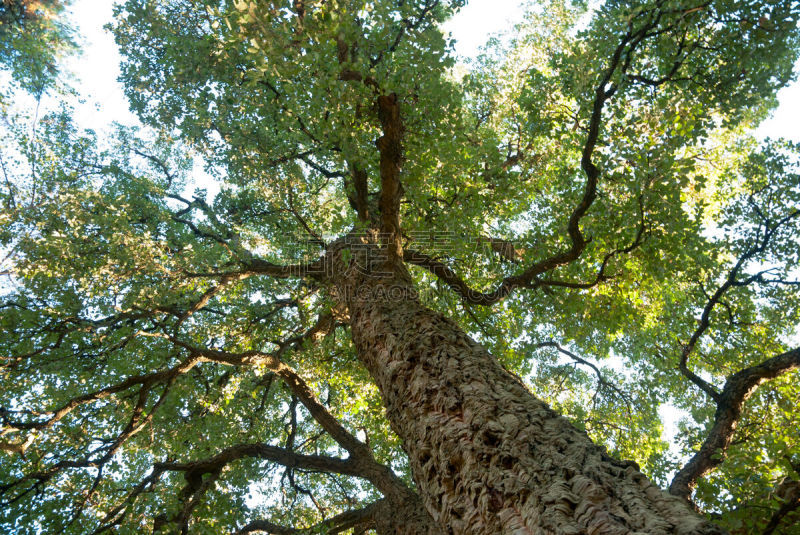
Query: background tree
[(32, 37), (327, 344)]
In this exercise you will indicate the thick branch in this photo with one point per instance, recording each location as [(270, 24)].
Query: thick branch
[(331, 526), (529, 278), (391, 158), (250, 263), (359, 201), (477, 297), (791, 505), (146, 381), (738, 388), (379, 475), (196, 469)]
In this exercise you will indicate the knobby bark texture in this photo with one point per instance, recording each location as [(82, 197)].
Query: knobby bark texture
[(487, 455), (386, 517), (406, 518)]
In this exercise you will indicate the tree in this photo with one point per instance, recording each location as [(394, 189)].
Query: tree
[(406, 264), (32, 37)]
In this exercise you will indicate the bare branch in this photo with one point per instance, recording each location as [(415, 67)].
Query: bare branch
[(601, 380)]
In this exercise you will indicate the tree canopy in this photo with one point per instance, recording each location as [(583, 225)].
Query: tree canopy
[(586, 199), (33, 36)]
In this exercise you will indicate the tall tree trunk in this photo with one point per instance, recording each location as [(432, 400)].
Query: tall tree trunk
[(489, 457)]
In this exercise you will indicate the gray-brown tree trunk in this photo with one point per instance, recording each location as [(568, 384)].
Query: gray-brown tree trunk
[(487, 456)]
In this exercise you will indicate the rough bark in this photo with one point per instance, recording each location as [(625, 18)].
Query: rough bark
[(391, 157), (405, 518), (487, 456), (384, 516)]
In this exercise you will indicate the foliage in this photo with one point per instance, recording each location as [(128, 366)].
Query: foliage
[(142, 317), (33, 36)]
